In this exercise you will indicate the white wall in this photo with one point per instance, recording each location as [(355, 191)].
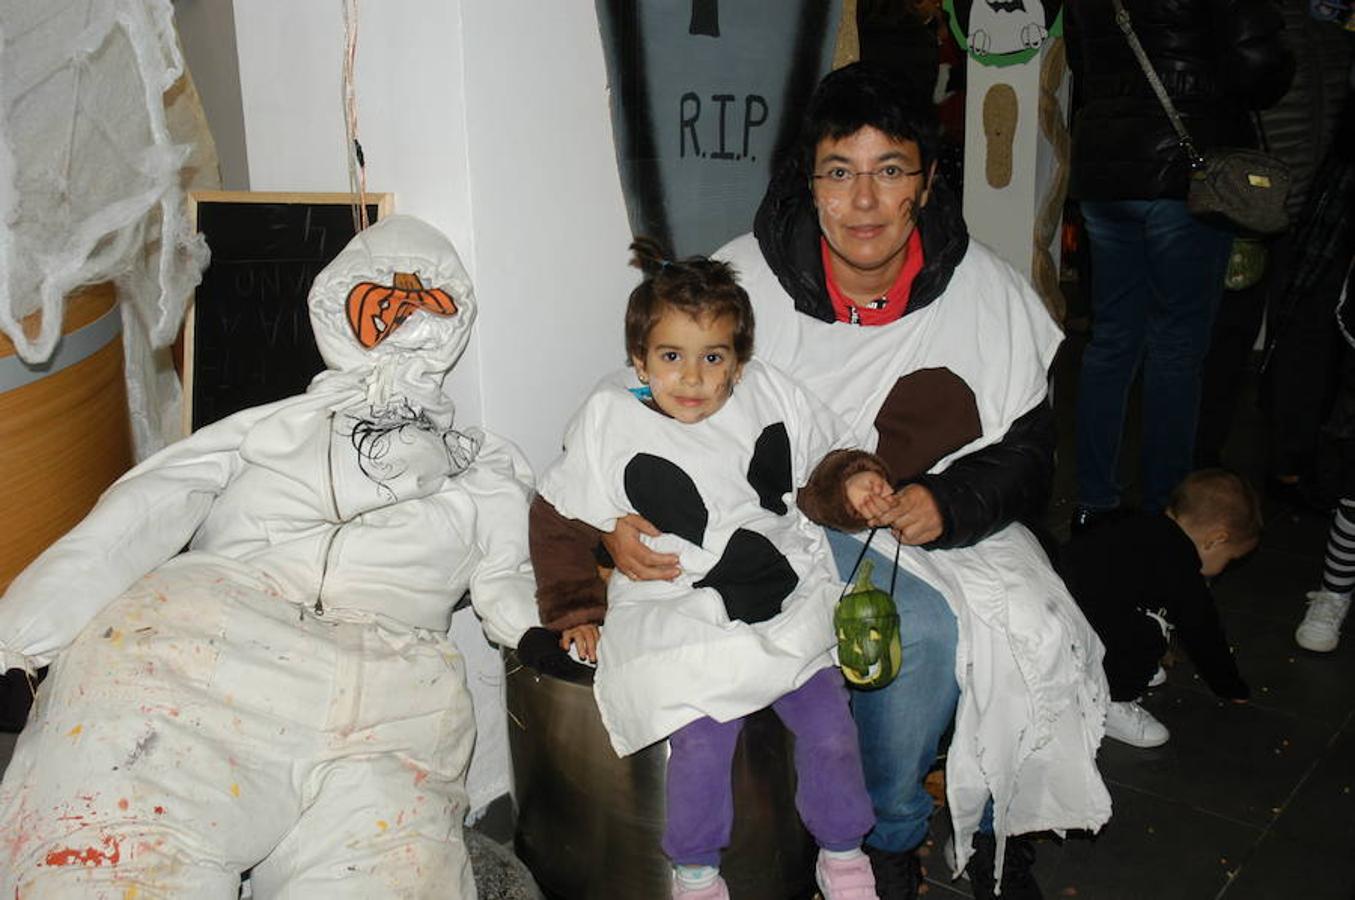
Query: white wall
[(489, 119), (207, 34), (551, 232)]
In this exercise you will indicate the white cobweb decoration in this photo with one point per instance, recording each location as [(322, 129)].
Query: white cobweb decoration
[(89, 174)]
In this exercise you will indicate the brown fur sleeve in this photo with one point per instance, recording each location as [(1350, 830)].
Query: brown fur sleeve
[(569, 589), (824, 498)]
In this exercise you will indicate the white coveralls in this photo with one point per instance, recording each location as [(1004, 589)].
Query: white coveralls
[(282, 696)]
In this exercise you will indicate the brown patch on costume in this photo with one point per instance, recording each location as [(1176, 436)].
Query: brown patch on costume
[(1000, 108), (928, 414)]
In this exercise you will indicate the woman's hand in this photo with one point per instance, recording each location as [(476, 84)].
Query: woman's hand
[(911, 514), (633, 558)]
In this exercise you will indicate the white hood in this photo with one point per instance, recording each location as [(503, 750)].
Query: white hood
[(411, 360)]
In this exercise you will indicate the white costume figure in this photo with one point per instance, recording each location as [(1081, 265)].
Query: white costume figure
[(282, 696), (1006, 26), (1032, 691), (722, 491)]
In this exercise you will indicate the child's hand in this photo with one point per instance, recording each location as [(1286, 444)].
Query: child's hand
[(867, 492), (585, 637)]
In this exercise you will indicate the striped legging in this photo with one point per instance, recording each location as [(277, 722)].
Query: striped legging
[(1338, 568)]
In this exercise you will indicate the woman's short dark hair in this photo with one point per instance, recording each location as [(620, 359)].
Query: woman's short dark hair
[(860, 95), (697, 286)]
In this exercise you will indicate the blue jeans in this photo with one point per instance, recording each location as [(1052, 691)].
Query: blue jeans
[(900, 725), (1157, 276)]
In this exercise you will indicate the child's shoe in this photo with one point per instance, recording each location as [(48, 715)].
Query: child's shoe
[(845, 879), (707, 890), (1320, 629), (1130, 723)]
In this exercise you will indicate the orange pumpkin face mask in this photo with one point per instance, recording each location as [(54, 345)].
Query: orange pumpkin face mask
[(375, 310)]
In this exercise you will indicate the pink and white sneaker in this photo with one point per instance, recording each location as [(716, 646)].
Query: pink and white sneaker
[(845, 879), (716, 890)]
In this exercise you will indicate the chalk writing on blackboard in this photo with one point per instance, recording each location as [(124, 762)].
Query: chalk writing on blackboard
[(248, 338)]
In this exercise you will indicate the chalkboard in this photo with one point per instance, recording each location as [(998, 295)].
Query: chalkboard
[(247, 335)]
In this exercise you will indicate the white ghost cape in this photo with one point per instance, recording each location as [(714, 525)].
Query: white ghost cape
[(1032, 692), (670, 652)]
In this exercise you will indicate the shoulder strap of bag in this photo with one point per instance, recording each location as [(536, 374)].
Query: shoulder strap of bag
[(1260, 131), (1197, 161)]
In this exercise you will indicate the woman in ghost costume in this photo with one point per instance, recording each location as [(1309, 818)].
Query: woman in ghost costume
[(282, 697)]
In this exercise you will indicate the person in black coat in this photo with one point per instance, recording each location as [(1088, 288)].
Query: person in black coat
[(1157, 272), (1310, 120)]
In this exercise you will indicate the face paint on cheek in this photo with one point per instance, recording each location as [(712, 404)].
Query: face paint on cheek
[(832, 207), (907, 210), (727, 389)]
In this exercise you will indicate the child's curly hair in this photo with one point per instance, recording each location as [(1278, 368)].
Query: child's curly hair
[(700, 287)]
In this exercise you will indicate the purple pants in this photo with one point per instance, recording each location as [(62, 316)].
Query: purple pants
[(830, 791)]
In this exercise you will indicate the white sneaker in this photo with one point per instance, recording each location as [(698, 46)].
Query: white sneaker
[(1130, 723), (1159, 678), (1320, 629)]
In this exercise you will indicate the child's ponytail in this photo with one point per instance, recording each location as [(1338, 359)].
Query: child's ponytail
[(649, 256)]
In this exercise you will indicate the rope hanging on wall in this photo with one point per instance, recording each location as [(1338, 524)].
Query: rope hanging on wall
[(357, 165)]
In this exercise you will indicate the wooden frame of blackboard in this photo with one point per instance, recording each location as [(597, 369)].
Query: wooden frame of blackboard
[(383, 204)]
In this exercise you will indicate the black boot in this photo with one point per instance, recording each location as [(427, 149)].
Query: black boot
[(1018, 882), (897, 874)]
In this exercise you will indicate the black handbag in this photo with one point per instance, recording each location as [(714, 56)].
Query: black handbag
[(1236, 188)]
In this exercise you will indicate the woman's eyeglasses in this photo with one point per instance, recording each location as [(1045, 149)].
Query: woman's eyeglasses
[(840, 178)]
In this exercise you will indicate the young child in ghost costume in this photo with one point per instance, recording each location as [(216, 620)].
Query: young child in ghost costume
[(282, 696), (710, 445)]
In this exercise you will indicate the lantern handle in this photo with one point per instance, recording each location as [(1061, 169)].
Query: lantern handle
[(865, 545), (894, 572)]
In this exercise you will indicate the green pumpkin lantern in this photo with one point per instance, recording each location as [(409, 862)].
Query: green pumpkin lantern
[(1246, 264), (867, 627)]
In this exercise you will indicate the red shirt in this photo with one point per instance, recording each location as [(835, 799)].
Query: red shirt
[(887, 308)]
